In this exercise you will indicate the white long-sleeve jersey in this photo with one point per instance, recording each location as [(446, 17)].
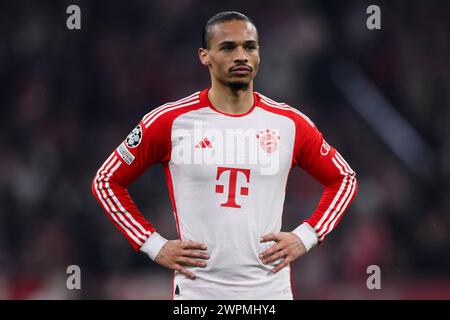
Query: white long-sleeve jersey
[(226, 175)]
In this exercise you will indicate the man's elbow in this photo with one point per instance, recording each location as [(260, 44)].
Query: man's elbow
[(353, 182), (94, 186), (349, 180)]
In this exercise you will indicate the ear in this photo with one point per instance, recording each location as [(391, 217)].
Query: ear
[(204, 56)]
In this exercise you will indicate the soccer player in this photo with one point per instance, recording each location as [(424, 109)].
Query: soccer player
[(227, 152)]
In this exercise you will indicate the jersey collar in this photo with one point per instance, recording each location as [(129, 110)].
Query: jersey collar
[(204, 100)]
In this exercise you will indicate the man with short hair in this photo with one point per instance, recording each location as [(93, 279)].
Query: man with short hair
[(227, 152)]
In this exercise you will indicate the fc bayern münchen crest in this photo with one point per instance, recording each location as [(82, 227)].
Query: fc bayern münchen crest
[(268, 140), (134, 138)]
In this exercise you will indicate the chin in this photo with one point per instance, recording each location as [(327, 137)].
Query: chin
[(238, 85)]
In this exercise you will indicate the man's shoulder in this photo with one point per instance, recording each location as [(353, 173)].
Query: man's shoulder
[(283, 109), (170, 110)]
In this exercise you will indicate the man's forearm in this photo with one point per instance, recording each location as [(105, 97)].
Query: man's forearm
[(113, 197), (335, 200)]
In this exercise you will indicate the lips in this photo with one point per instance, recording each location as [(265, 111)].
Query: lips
[(241, 69)]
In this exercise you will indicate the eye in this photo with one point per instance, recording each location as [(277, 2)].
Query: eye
[(227, 48), (251, 46)]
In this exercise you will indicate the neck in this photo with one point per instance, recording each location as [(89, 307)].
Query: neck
[(231, 101)]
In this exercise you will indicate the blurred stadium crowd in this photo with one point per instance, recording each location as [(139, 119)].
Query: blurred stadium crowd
[(68, 98)]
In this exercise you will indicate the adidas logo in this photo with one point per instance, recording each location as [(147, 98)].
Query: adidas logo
[(204, 143)]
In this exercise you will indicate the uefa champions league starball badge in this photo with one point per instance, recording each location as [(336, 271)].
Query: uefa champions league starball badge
[(268, 140), (134, 138)]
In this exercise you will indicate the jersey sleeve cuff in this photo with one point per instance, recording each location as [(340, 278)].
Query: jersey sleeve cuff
[(153, 245), (307, 235)]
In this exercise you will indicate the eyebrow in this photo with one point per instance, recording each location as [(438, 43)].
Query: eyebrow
[(234, 42)]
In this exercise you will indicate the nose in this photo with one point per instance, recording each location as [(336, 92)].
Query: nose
[(241, 56)]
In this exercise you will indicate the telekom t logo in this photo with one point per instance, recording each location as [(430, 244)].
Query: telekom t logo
[(231, 202)]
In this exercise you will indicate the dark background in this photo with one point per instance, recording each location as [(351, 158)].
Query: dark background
[(69, 97)]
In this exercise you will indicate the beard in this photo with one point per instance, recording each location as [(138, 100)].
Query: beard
[(238, 85)]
